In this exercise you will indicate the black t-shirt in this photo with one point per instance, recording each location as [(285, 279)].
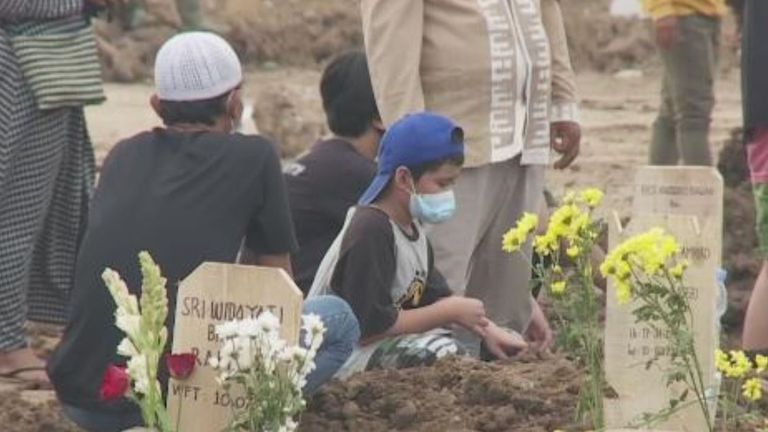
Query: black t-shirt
[(378, 271), (322, 186), (186, 198)]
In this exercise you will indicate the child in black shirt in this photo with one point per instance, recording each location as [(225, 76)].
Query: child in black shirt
[(382, 264)]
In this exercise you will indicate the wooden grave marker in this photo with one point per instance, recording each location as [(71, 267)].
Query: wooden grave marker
[(215, 293), (687, 203)]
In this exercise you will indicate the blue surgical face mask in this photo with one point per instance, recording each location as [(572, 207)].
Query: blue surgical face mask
[(433, 208)]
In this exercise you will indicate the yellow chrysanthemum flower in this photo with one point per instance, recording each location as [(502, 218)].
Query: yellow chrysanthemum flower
[(592, 197), (623, 292), (558, 287), (647, 253), (679, 269), (513, 240), (752, 389), (546, 244), (761, 363), (722, 361), (517, 236), (573, 251), (740, 365), (528, 222), (608, 268)]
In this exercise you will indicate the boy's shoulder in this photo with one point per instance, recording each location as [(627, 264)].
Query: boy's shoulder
[(370, 223)]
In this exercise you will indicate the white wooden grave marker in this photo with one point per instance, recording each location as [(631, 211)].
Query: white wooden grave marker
[(687, 203), (212, 294)]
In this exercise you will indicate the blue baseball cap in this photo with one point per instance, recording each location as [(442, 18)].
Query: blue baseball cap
[(414, 140)]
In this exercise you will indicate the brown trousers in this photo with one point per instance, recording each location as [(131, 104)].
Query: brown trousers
[(490, 200)]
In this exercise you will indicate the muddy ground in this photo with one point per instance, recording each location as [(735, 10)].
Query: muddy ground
[(529, 394), (284, 44)]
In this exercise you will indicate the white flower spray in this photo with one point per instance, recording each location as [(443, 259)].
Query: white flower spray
[(271, 374), (145, 337)]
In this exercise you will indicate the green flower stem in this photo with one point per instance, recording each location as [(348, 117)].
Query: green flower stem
[(679, 338)]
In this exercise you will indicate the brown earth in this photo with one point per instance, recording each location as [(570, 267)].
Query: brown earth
[(284, 42), (306, 33), (739, 239), (523, 395), (32, 411)]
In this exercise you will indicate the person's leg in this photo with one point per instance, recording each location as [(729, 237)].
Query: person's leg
[(755, 333), (413, 350), (31, 144), (190, 13), (53, 263), (692, 63), (663, 149), (94, 421), (501, 280), (342, 334), (454, 242)]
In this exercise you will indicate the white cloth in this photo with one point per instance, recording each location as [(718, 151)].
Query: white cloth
[(196, 66)]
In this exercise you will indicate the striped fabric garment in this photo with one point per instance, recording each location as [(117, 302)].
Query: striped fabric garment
[(59, 65), (46, 175)]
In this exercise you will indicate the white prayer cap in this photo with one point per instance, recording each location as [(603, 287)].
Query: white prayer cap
[(196, 66)]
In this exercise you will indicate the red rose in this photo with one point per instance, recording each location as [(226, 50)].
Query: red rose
[(115, 383), (180, 366)]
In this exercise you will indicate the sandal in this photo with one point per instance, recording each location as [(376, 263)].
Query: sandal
[(29, 384)]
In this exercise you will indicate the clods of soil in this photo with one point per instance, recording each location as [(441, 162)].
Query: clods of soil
[(740, 256), (527, 394), (32, 411)]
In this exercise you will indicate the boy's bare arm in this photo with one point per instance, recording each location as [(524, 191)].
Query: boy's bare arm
[(469, 313)]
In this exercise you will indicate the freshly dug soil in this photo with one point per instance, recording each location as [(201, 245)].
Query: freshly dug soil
[(603, 42), (20, 414), (306, 33), (525, 395), (740, 255)]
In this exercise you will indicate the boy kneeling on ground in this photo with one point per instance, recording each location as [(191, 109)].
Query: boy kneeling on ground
[(382, 263), (188, 193)]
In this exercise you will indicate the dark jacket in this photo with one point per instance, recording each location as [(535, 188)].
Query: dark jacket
[(754, 64)]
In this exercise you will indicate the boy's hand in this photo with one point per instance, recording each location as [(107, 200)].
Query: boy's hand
[(502, 343), (468, 313), (667, 32), (539, 332)]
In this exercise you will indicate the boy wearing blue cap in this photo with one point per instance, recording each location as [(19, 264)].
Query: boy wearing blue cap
[(382, 263)]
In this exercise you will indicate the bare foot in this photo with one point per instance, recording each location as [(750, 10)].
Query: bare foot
[(23, 365)]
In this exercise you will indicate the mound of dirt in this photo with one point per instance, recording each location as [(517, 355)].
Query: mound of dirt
[(603, 42), (739, 239), (26, 414), (290, 115), (456, 394), (289, 33), (307, 33)]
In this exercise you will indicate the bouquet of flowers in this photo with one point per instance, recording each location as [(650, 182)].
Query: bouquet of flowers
[(648, 274), (143, 323), (564, 265), (743, 387), (255, 362)]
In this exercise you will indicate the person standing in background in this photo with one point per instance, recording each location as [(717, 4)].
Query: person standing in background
[(688, 37), (754, 66), (501, 69), (190, 13), (46, 166)]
